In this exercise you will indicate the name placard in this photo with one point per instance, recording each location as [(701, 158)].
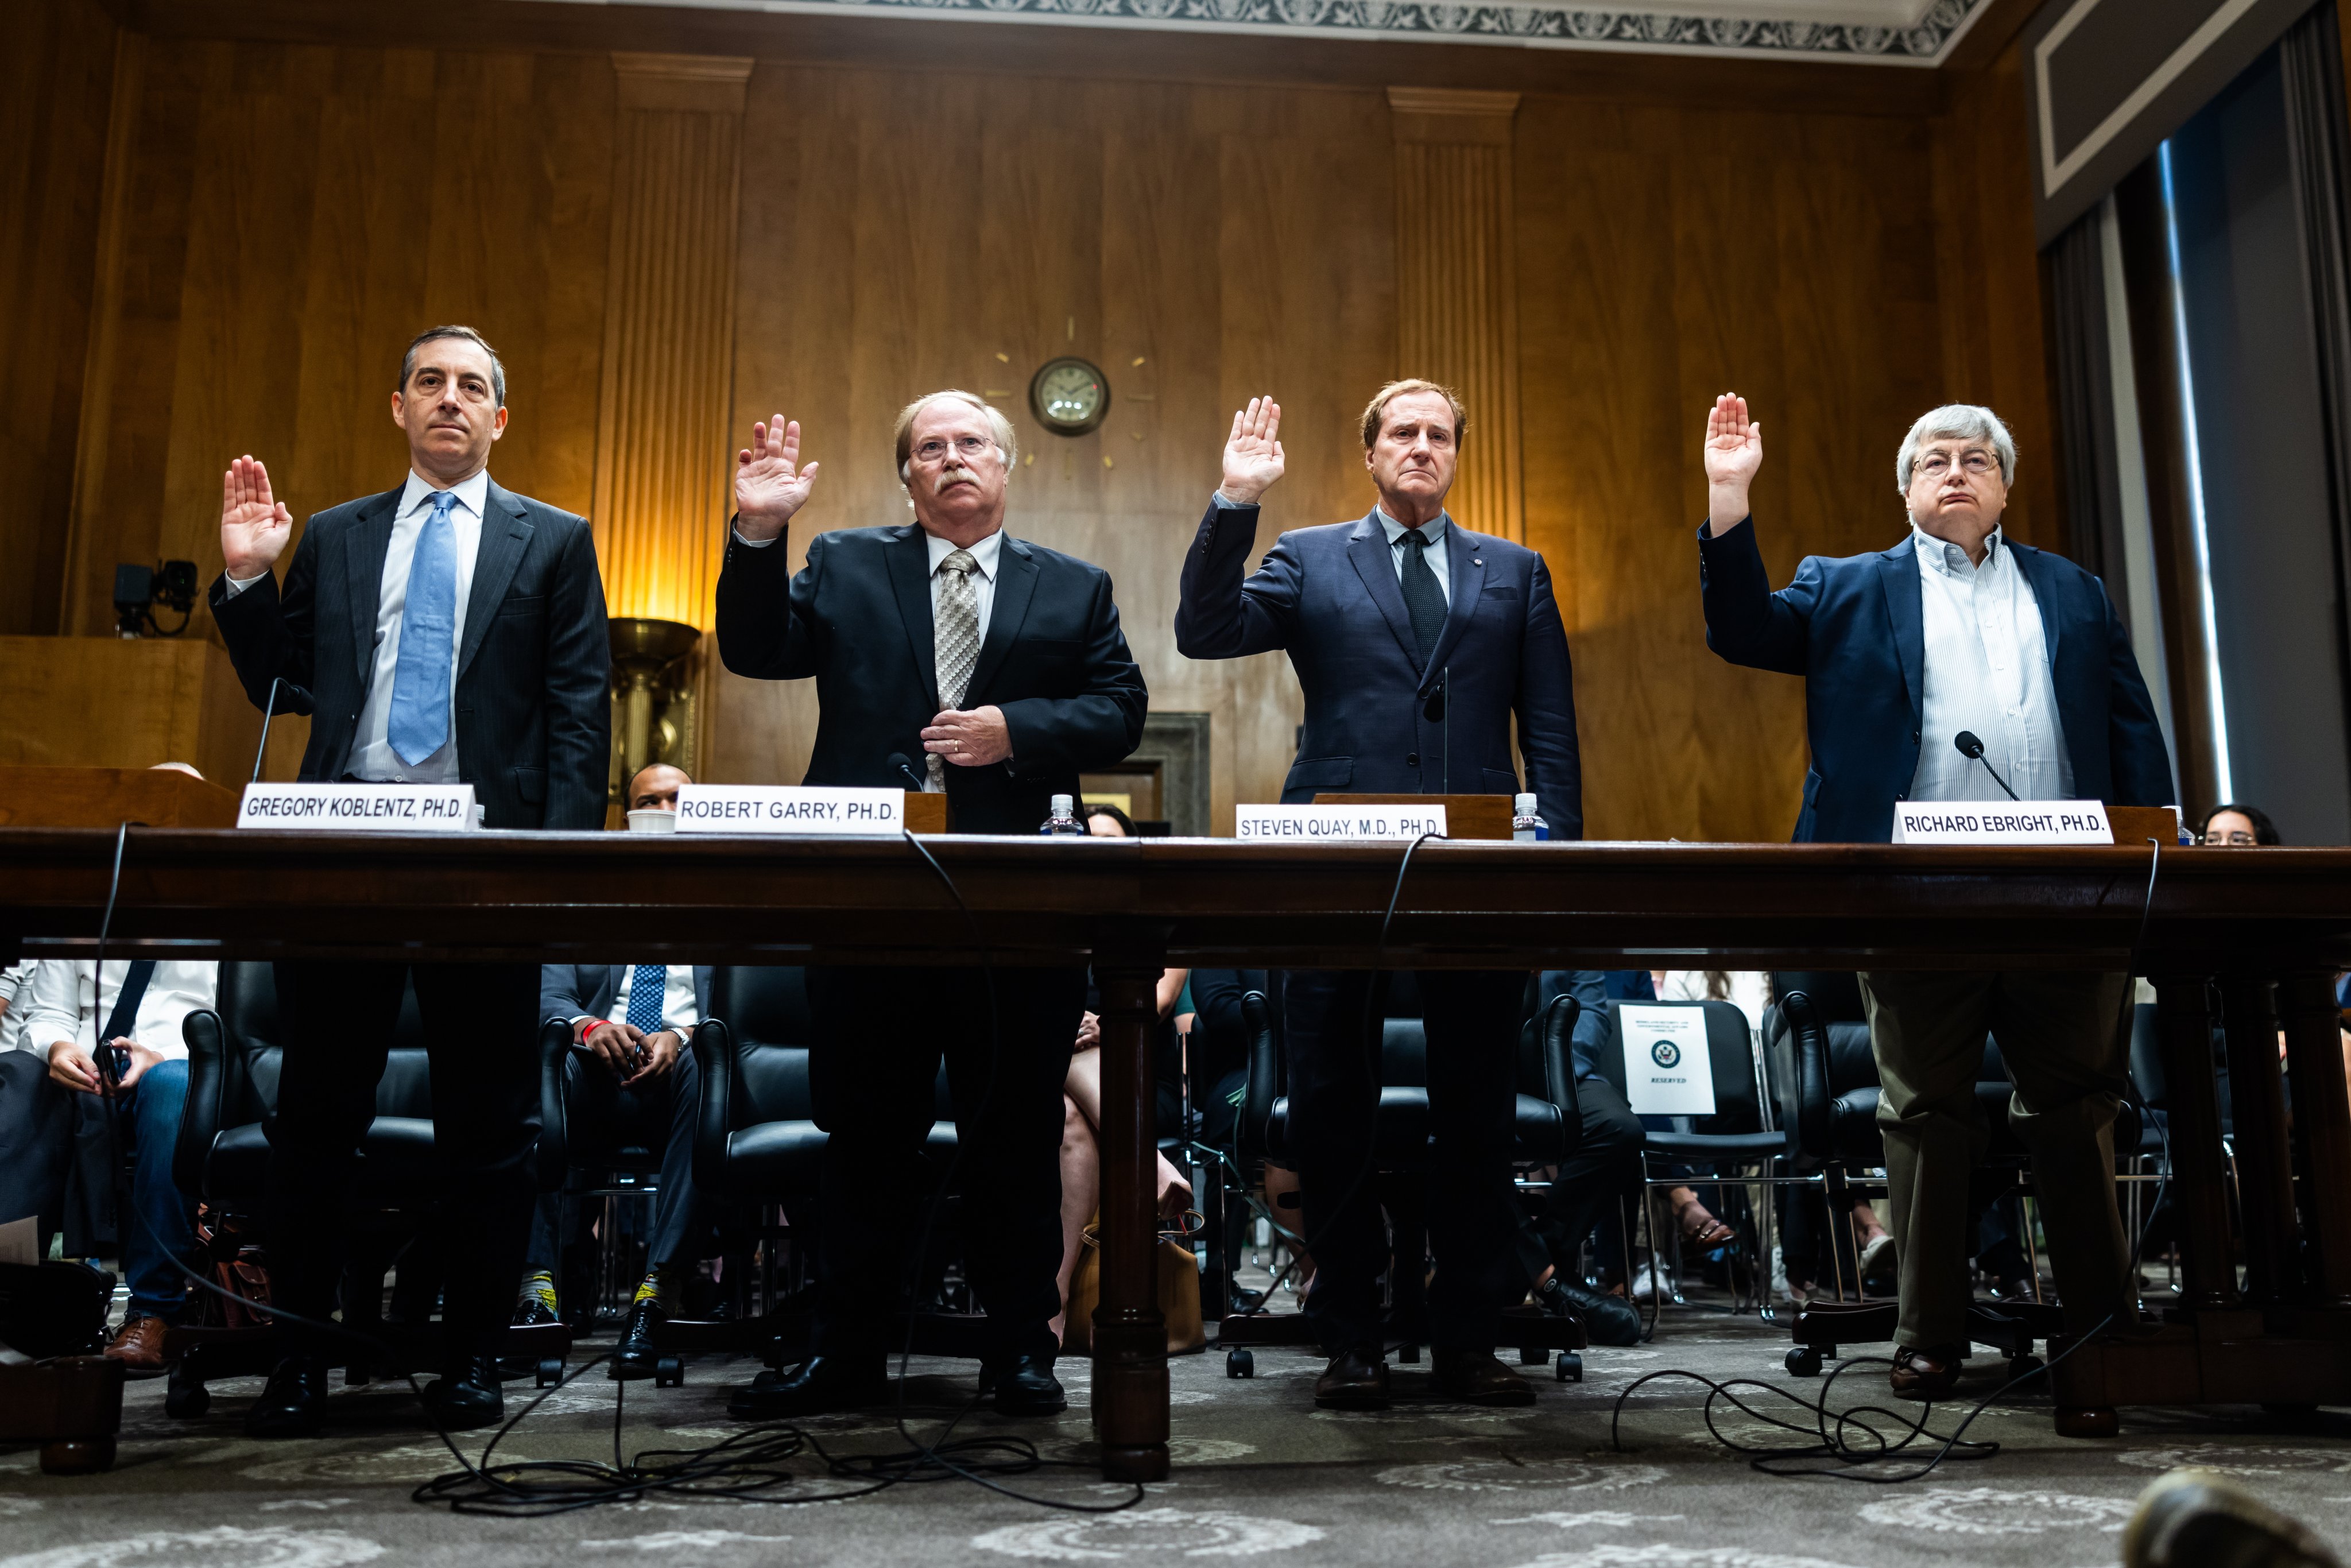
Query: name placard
[(1667, 1071), (359, 808), (804, 809), (1319, 824), (2008, 822)]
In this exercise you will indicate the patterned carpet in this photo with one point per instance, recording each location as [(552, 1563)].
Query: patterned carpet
[(1259, 1474)]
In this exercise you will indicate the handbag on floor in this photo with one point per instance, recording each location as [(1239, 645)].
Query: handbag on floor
[(1179, 1290)]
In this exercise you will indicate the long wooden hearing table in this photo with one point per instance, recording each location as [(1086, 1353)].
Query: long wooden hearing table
[(2240, 919)]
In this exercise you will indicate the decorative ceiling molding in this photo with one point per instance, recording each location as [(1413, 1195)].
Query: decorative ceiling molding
[(1872, 32)]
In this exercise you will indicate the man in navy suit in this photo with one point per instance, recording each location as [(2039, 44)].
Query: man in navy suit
[(444, 632), (1957, 629), (997, 667), (1416, 642)]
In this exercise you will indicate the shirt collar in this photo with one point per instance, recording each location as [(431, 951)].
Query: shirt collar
[(473, 494), (1433, 531), (985, 552), (1950, 560)]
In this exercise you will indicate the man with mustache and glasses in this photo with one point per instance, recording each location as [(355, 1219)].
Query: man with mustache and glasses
[(948, 656)]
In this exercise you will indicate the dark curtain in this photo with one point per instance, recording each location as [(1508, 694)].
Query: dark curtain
[(2073, 283), (2318, 142)]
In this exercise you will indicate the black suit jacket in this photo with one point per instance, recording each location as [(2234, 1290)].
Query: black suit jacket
[(568, 991), (858, 619), (534, 716)]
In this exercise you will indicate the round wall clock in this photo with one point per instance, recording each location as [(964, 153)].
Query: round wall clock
[(1069, 396)]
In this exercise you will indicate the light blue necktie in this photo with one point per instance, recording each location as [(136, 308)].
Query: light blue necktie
[(428, 640), (648, 984)]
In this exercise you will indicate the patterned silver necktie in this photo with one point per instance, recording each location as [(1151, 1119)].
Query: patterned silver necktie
[(955, 631)]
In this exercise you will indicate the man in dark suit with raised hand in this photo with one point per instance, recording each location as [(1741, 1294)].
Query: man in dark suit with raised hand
[(1391, 621), (444, 632), (1958, 629), (999, 664)]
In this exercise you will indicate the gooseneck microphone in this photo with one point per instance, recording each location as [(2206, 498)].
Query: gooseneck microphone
[(1973, 748), (268, 712), (897, 759)]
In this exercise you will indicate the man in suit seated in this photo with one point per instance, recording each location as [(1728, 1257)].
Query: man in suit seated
[(628, 1066), (1958, 629), (1604, 1169), (1000, 664)]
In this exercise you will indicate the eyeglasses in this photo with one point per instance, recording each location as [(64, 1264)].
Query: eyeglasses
[(1934, 465), (2237, 840), (967, 447)]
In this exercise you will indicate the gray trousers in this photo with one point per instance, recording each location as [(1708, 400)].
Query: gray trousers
[(2059, 1033)]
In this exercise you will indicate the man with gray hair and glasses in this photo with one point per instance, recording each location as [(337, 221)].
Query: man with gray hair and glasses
[(1957, 629)]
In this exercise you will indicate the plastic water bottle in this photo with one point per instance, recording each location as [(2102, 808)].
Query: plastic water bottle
[(1525, 826), (1063, 821)]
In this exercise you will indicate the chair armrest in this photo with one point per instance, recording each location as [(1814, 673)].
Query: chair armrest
[(209, 1067), (1555, 1046), (1809, 1040), (554, 1144), (1264, 1076), (713, 1057)]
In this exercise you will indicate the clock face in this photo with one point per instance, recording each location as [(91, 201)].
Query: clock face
[(1070, 396)]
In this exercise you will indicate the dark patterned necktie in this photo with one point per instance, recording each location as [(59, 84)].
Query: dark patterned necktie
[(1424, 600), (648, 983)]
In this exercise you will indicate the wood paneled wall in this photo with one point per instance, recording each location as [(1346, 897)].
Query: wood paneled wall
[(303, 209)]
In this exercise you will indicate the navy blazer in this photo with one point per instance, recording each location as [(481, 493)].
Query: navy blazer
[(1330, 597), (533, 704), (1854, 629), (568, 991), (858, 618)]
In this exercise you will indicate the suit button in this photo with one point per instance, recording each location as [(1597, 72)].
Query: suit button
[(1412, 759), (1914, 737)]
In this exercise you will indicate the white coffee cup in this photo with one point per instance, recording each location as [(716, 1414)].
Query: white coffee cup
[(652, 819)]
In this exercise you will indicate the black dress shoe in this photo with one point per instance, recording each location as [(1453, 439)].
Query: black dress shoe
[(637, 1355), (1479, 1377), (1023, 1385), (2194, 1518), (467, 1397), (1606, 1320), (1356, 1379), (534, 1313), (293, 1404), (819, 1384)]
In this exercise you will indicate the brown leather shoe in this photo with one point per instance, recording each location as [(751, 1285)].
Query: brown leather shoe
[(139, 1343), (1356, 1379), (1479, 1377), (1928, 1372), (2194, 1518)]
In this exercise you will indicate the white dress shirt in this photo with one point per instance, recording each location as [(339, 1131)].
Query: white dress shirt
[(15, 996), (678, 1009), (1434, 532), (70, 999), (983, 581), (1987, 670), (372, 758)]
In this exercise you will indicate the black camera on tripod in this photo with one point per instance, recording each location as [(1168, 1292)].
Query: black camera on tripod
[(139, 589)]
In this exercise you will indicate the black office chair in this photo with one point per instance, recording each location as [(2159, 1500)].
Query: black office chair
[(221, 1157), (1549, 1126), (1743, 1131), (758, 1148)]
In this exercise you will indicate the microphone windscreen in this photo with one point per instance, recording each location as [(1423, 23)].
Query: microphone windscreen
[(1968, 744)]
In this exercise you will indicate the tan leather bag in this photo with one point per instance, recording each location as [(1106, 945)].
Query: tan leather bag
[(1179, 1293)]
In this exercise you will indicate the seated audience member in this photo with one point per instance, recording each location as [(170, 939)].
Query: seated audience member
[(1702, 1231), (2237, 827), (13, 1002), (1604, 1169), (630, 1064), (1215, 1067), (134, 1010), (32, 1126)]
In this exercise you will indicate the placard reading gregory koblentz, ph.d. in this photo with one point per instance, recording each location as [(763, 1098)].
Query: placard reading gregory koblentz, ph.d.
[(359, 808)]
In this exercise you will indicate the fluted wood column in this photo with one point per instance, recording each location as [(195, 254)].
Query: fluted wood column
[(1457, 283), (662, 452)]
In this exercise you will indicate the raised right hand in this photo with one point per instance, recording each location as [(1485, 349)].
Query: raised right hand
[(1734, 452), (769, 483), (253, 526)]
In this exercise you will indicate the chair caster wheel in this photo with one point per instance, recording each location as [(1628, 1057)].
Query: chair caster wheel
[(77, 1456), (1569, 1367), (2024, 1364), (550, 1371), (2095, 1422), (1409, 1354), (669, 1372), (1529, 1356), (1804, 1361), (1240, 1363), (185, 1399)]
